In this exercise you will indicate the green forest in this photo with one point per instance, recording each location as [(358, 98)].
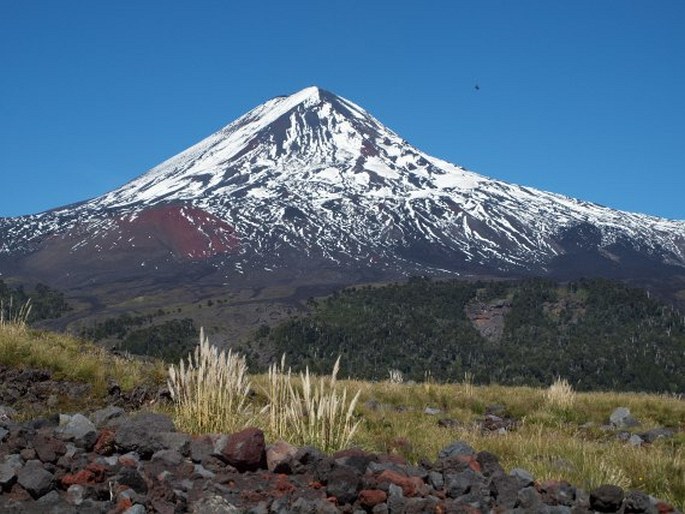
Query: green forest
[(597, 334), (169, 340)]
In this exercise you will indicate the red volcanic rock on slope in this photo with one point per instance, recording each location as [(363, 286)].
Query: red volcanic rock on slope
[(188, 232)]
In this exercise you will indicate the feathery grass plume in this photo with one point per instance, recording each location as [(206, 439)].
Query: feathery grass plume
[(467, 384), (322, 416), (279, 393), (210, 390), (315, 414), (560, 394), (14, 316), (395, 376)]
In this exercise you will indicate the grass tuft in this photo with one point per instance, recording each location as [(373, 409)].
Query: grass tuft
[(395, 376), (210, 391), (321, 416), (14, 316), (560, 394), (316, 413)]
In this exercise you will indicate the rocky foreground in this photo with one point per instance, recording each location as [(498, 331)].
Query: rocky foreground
[(114, 462)]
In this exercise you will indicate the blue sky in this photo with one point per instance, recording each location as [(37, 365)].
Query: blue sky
[(584, 98)]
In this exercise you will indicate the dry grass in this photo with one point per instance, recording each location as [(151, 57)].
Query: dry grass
[(313, 412), (322, 416), (552, 443), (467, 384), (560, 394), (210, 391), (69, 358), (279, 393)]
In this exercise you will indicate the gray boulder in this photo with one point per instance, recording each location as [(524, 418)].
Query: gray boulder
[(9, 468), (35, 479), (105, 417), (455, 449), (606, 498), (657, 433), (142, 433), (621, 418), (79, 429), (523, 476)]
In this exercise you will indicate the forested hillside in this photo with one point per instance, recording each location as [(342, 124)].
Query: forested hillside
[(596, 333), (170, 340), (45, 303)]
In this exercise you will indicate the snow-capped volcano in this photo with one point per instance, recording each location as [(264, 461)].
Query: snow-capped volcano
[(312, 179)]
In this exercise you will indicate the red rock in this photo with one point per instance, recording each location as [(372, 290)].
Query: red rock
[(93, 474), (98, 470), (19, 494), (123, 504), (28, 454), (349, 452), (369, 498), (664, 508), (411, 486), (283, 484), (82, 477), (392, 459), (128, 462), (105, 442), (244, 450), (48, 448)]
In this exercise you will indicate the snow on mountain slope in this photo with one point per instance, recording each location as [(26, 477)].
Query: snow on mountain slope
[(313, 174)]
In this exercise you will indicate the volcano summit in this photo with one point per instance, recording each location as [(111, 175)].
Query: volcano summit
[(310, 187)]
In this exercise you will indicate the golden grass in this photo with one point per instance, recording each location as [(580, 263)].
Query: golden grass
[(69, 358), (211, 393), (311, 411), (551, 442)]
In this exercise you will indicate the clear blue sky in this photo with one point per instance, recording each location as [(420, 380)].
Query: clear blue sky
[(580, 97)]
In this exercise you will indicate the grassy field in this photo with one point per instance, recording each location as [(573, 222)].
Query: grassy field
[(551, 442), (553, 439), (74, 360)]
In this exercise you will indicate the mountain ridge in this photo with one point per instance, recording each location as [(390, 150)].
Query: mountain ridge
[(312, 181)]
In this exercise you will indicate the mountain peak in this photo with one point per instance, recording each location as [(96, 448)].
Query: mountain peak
[(308, 94), (312, 174)]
